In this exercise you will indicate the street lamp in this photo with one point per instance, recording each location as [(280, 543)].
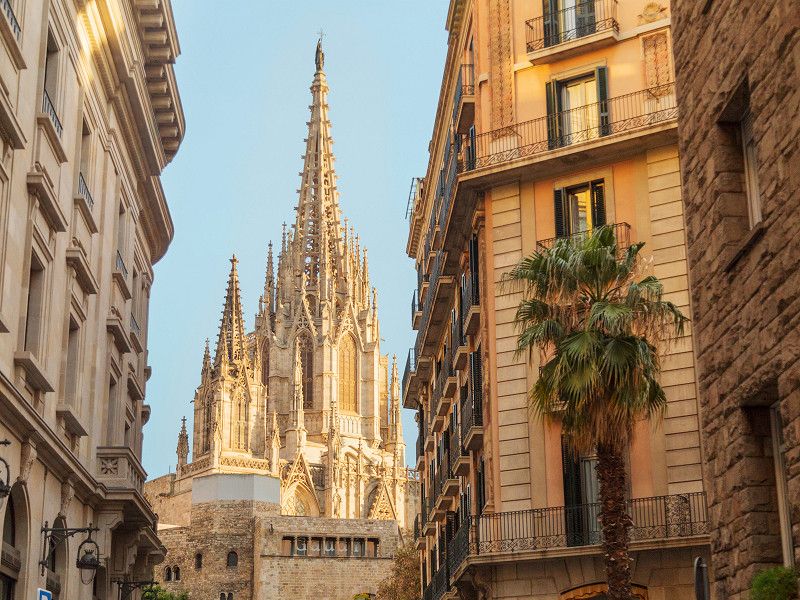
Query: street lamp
[(5, 484), (149, 591), (88, 560)]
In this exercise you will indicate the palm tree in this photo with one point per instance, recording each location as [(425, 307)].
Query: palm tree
[(599, 330)]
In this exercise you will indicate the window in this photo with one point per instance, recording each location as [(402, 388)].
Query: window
[(779, 459), (168, 574), (240, 425), (51, 82), (176, 573), (566, 20), (198, 561), (233, 559), (301, 547), (207, 420), (347, 374), (34, 315), (750, 169), (306, 346), (577, 109), (10, 524), (580, 208), (7, 585), (73, 350)]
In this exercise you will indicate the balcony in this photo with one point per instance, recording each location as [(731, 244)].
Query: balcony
[(464, 99), (574, 30), (459, 457), (458, 548), (419, 539), (581, 125), (12, 19), (657, 518), (470, 304), (50, 111), (118, 467), (446, 385), (440, 582), (622, 231), (472, 420), (416, 310), (436, 305), (121, 266), (83, 190)]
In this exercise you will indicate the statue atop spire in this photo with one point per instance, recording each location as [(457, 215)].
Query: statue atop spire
[(320, 55)]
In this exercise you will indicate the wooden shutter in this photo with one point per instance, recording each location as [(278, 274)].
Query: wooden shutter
[(601, 78), (477, 387), (553, 130), (584, 18), (598, 203), (559, 198), (471, 149), (572, 475), (550, 22)]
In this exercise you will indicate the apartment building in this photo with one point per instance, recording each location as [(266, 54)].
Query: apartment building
[(554, 117), (89, 117), (741, 180)]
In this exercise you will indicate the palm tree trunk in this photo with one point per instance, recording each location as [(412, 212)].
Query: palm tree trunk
[(614, 521)]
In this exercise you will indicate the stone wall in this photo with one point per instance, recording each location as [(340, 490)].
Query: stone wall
[(745, 281)]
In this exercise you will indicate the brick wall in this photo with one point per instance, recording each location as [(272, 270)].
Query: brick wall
[(744, 283)]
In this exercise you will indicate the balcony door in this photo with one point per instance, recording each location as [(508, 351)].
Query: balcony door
[(580, 208), (566, 20), (581, 497)]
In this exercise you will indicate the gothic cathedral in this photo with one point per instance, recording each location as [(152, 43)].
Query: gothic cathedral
[(307, 395)]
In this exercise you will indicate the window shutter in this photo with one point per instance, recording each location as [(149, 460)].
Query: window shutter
[(558, 205), (550, 22), (473, 264), (471, 150), (601, 78), (551, 89), (477, 387), (584, 18), (572, 475), (598, 203)]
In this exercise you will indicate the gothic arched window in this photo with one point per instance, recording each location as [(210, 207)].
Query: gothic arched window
[(233, 559), (347, 374), (207, 425), (306, 345), (240, 433)]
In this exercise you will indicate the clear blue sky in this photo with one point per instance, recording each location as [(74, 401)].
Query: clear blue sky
[(244, 75)]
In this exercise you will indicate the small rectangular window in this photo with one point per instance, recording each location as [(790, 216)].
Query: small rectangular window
[(750, 169), (358, 548), (35, 307), (301, 549), (330, 547), (73, 363)]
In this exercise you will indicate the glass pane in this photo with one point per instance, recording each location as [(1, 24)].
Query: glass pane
[(580, 212)]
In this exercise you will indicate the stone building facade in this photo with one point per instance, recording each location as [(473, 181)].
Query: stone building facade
[(306, 398), (738, 67), (553, 118), (89, 117)]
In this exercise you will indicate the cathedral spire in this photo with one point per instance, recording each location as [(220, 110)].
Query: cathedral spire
[(317, 220), (183, 446), (231, 342), (206, 360)]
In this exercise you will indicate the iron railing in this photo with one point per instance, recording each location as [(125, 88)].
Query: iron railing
[(582, 124), (121, 266), (458, 548), (465, 86), (660, 517), (449, 187), (470, 296), (440, 582), (417, 528), (422, 276), (585, 18), (83, 190), (415, 307), (431, 497), (456, 448), (12, 19), (430, 297), (317, 475), (423, 433), (50, 111), (622, 231), (135, 326), (471, 414), (411, 366)]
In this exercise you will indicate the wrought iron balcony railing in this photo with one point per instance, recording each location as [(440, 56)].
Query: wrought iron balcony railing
[(83, 190), (50, 111), (121, 265), (135, 326), (622, 231), (451, 170), (436, 270), (470, 296), (572, 23), (416, 528), (582, 124), (659, 517), (411, 365), (458, 548), (471, 415), (12, 19), (465, 86), (440, 582)]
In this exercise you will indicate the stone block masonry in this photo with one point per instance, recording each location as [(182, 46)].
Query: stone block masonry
[(738, 66)]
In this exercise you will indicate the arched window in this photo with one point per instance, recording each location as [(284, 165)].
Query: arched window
[(306, 346), (230, 596), (10, 524), (265, 363), (347, 374), (176, 573), (233, 559), (240, 425), (198, 561), (222, 596), (207, 425), (168, 574)]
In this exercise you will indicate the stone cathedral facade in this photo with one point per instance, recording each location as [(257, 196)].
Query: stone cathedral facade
[(304, 399)]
